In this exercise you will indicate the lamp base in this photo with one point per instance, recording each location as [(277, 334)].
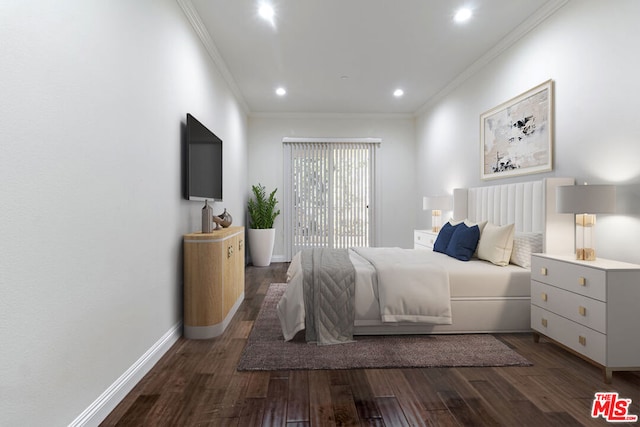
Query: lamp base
[(436, 217), (586, 254)]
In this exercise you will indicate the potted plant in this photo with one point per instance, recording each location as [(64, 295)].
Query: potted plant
[(262, 214)]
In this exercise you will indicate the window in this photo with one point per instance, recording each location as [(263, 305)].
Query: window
[(329, 193)]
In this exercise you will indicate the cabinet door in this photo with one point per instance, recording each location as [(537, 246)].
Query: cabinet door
[(202, 284)]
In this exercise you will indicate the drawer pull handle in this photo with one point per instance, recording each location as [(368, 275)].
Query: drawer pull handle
[(582, 310), (582, 340), (229, 251), (544, 322), (582, 281), (544, 296), (240, 243), (543, 271)]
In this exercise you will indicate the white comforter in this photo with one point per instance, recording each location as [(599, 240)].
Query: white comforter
[(406, 285)]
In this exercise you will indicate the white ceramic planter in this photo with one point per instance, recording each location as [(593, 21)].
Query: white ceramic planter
[(261, 245)]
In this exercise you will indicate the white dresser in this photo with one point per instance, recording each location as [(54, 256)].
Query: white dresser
[(424, 239), (589, 307)]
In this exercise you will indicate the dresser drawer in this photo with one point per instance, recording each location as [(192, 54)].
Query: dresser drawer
[(583, 310), (579, 338), (576, 278), (424, 239)]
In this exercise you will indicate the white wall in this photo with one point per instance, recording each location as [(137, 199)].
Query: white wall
[(397, 197), (94, 97), (587, 48)]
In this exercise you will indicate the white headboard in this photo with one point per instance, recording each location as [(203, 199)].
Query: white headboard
[(531, 206)]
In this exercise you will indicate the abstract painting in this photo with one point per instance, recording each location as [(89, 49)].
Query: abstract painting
[(516, 136)]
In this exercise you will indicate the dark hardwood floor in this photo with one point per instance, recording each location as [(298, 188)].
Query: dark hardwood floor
[(196, 384)]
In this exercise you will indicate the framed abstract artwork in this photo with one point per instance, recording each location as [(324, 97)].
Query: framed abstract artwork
[(516, 137)]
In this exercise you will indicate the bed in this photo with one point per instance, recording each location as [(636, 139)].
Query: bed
[(481, 297)]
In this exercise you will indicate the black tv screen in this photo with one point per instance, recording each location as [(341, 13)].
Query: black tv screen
[(203, 162)]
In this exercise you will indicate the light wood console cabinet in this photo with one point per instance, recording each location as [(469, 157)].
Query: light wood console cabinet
[(213, 280), (588, 307)]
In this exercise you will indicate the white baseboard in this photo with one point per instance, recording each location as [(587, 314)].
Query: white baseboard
[(103, 405)]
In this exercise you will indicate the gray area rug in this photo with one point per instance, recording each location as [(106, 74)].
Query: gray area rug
[(266, 349)]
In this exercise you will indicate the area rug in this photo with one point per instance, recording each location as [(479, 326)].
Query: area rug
[(266, 349)]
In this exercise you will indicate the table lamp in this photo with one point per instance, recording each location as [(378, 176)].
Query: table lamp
[(585, 201), (437, 205)]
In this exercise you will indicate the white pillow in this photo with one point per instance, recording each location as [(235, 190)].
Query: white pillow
[(480, 224), (496, 243), (525, 244), (469, 223)]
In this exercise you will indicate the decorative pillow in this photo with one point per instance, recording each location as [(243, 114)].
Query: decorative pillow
[(444, 236), (496, 243), (481, 226), (525, 244), (463, 242)]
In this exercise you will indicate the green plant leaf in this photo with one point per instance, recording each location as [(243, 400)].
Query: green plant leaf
[(262, 210)]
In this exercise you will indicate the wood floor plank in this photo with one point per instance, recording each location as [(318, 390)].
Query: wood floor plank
[(298, 397), (139, 411), (344, 408), (196, 383), (462, 411), (362, 395), (408, 400), (233, 400), (275, 408), (424, 390), (252, 412), (320, 404), (391, 411), (258, 384), (378, 380)]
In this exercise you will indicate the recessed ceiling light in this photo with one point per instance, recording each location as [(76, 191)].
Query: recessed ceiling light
[(266, 12), (398, 93), (281, 91), (462, 15)]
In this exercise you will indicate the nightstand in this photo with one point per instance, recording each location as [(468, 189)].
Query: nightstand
[(424, 239), (588, 307)]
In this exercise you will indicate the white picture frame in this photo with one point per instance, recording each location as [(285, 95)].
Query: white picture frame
[(516, 137)]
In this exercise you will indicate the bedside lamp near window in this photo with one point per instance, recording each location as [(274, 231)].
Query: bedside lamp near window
[(437, 205), (585, 201)]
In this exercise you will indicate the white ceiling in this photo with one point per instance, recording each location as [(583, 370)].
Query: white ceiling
[(348, 56)]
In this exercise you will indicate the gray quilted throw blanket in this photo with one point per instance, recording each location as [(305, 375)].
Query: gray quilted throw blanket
[(329, 289)]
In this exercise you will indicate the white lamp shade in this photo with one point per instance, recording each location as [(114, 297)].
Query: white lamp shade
[(591, 199), (441, 203), (585, 201)]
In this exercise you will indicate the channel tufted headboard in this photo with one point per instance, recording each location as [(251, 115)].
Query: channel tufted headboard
[(531, 206)]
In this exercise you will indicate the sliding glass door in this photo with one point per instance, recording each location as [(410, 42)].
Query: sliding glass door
[(329, 193)]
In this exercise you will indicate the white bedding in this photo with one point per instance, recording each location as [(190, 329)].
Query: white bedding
[(411, 286), (467, 281)]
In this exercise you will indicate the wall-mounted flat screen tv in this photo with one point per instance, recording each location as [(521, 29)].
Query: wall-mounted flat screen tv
[(203, 177)]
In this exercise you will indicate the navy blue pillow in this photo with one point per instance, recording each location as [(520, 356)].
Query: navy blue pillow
[(444, 236), (463, 242)]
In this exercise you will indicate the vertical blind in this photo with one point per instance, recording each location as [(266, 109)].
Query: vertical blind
[(329, 194)]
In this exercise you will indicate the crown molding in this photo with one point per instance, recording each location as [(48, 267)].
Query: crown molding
[(512, 38), (200, 29)]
